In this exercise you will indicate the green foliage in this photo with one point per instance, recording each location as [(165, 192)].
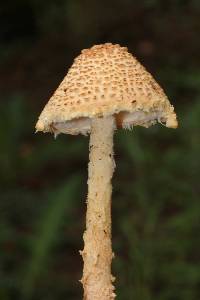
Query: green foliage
[(160, 220), (49, 224)]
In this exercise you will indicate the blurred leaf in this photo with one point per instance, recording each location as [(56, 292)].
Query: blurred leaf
[(61, 204)]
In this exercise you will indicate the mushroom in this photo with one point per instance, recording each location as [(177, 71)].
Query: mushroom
[(105, 88)]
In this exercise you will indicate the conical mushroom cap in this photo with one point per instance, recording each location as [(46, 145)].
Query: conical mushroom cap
[(106, 80)]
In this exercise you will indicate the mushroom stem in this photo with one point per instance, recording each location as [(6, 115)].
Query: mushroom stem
[(97, 253)]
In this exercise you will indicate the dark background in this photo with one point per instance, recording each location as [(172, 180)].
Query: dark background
[(43, 188)]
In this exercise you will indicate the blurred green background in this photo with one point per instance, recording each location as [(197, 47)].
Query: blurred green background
[(43, 187)]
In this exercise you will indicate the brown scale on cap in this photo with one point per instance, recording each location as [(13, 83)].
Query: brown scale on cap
[(106, 80)]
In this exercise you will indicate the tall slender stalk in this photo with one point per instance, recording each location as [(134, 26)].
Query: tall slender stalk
[(97, 253)]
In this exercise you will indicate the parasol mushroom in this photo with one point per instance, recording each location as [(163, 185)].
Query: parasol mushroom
[(105, 88)]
